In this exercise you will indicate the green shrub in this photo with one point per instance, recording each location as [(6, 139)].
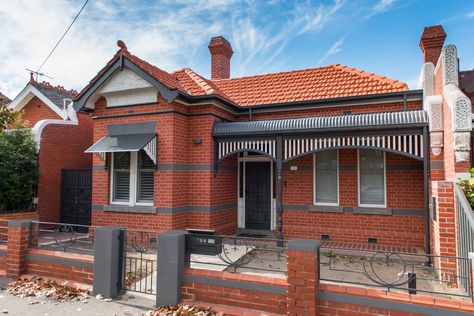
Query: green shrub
[(468, 187), (18, 169)]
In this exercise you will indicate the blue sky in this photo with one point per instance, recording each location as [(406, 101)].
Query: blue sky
[(379, 36)]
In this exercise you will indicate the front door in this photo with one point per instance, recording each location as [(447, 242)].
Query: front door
[(258, 194)]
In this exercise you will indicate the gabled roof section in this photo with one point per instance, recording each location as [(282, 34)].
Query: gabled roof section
[(52, 96), (333, 81)]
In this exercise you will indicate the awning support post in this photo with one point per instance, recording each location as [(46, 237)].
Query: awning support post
[(279, 166), (426, 176)]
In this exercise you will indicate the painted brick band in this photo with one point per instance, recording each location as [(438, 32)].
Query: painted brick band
[(355, 210), (389, 304), (62, 261), (241, 285), (164, 210)]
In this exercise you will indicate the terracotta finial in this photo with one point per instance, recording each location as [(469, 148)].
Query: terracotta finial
[(122, 45)]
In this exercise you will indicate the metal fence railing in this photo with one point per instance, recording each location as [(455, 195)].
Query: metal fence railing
[(62, 237), (236, 254), (465, 232), (140, 260), (395, 271)]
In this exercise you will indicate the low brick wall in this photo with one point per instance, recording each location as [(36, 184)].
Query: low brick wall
[(3, 257), (240, 290), (349, 300), (4, 217), (55, 264)]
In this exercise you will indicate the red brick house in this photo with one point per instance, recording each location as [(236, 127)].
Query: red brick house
[(62, 135), (327, 153)]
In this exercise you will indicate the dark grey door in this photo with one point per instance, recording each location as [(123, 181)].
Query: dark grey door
[(258, 196), (76, 196)]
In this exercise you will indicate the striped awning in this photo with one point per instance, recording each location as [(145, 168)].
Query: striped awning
[(320, 123)]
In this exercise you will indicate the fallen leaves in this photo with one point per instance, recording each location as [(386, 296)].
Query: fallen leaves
[(39, 287), (183, 310)]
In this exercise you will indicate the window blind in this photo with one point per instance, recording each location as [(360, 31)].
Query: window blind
[(145, 174), (121, 171), (371, 177), (326, 177)]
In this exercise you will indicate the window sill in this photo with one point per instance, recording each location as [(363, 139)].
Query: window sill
[(326, 208), (372, 210), (126, 208)]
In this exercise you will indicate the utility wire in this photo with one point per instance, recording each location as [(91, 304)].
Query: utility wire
[(67, 30)]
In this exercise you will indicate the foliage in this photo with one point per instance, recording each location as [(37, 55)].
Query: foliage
[(18, 162), (9, 118), (468, 187)]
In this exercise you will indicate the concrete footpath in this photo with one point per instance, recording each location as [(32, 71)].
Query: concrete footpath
[(129, 305)]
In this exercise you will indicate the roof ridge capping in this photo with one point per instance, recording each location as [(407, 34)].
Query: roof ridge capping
[(60, 88)]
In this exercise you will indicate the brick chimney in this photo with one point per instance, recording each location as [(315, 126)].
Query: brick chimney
[(221, 53), (431, 43)]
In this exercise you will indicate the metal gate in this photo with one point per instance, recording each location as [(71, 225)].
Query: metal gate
[(76, 196), (139, 262)]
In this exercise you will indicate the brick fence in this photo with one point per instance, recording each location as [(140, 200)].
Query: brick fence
[(18, 258)]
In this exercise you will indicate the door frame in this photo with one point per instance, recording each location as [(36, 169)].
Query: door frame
[(241, 201)]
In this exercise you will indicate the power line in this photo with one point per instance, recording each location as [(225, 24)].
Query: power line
[(67, 30)]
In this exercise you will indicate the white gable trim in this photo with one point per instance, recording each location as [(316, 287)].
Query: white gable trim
[(27, 94)]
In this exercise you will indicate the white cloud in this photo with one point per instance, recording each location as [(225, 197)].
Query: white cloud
[(334, 49), (383, 5), (470, 15), (171, 34)]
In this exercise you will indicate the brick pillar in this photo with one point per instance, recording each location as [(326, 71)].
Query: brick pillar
[(17, 247), (302, 265), (444, 228), (471, 256)]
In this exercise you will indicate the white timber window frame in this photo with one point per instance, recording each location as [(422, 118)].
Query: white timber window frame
[(315, 202), (132, 201), (384, 205)]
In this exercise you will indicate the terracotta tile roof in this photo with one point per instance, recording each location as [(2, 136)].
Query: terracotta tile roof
[(4, 99), (309, 84)]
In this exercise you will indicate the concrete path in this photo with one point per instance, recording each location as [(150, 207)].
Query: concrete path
[(129, 305)]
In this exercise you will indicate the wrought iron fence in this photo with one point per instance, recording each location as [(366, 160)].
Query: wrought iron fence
[(395, 271), (140, 261), (62, 237), (236, 254), (3, 231), (465, 232)]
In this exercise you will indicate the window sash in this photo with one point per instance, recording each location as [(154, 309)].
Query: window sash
[(372, 180), (326, 177), (139, 189)]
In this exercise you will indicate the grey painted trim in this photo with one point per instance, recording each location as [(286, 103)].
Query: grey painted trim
[(63, 261), (355, 210), (99, 168), (193, 167), (241, 285), (19, 223), (132, 128), (164, 210), (389, 304), (372, 210), (436, 164), (348, 167), (160, 113), (303, 245), (404, 167)]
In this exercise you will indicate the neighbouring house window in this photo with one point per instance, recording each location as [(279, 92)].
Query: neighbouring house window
[(326, 177), (121, 177), (132, 178), (145, 181), (371, 177)]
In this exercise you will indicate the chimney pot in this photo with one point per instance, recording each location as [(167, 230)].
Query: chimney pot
[(431, 43), (221, 53)]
